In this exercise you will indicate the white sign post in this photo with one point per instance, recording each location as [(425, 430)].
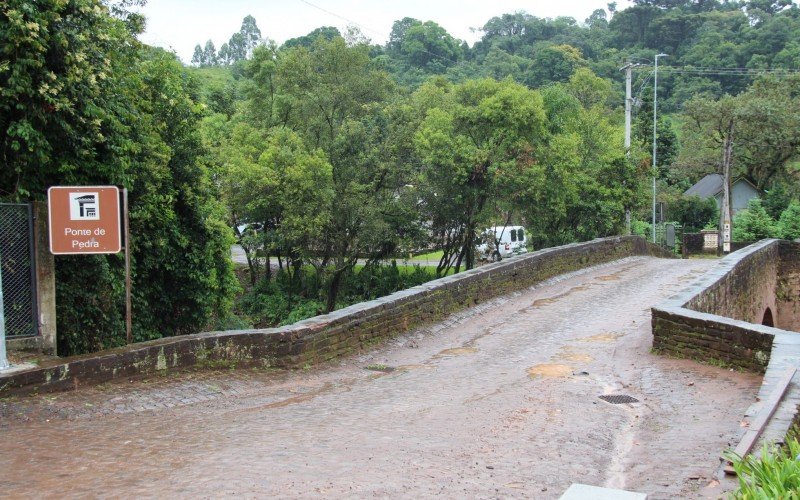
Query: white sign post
[(3, 358), (726, 237)]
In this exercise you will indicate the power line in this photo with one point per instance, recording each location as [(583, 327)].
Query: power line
[(727, 71), (382, 34), (350, 21)]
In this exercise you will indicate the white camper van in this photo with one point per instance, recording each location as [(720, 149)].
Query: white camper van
[(499, 242)]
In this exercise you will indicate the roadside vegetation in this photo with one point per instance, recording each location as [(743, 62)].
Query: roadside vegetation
[(338, 157), (771, 475)]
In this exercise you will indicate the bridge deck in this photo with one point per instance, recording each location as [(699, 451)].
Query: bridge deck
[(501, 400)]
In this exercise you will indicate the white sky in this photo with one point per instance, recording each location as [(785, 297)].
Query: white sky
[(179, 25)]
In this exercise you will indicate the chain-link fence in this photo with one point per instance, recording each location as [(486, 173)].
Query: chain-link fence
[(16, 259)]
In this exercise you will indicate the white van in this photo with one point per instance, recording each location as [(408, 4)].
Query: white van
[(499, 242)]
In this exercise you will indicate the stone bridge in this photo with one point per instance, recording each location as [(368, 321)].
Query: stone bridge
[(487, 383)]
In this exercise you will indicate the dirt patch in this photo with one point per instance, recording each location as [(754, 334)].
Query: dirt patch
[(550, 370), (602, 337), (577, 358)]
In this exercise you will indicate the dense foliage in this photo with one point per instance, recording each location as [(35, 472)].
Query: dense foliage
[(83, 103)]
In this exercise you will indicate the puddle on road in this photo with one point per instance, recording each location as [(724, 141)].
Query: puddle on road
[(549, 370), (458, 351), (609, 277), (542, 302), (602, 337)]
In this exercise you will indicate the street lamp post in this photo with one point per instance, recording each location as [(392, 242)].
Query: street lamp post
[(655, 107)]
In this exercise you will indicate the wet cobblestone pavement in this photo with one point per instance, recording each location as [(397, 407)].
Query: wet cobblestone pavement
[(498, 401)]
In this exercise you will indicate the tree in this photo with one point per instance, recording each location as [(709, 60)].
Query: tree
[(210, 54), (667, 145), (61, 95), (481, 132), (198, 57), (250, 34), (598, 19), (237, 48), (776, 200), (276, 181), (714, 126), (694, 213), (789, 223), (183, 276), (586, 182), (224, 55), (589, 89), (330, 90), (426, 46), (754, 223), (769, 128), (554, 63), (326, 32)]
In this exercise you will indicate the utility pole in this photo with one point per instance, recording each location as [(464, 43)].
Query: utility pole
[(655, 107), (628, 69), (725, 213), (3, 358)]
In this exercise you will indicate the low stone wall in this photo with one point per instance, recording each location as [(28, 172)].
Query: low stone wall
[(333, 335), (693, 243), (718, 319)]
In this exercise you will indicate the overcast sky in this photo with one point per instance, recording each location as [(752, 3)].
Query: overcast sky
[(179, 25)]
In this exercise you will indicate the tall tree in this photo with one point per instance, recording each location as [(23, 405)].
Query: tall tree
[(481, 132), (250, 34), (210, 54), (330, 90), (715, 125), (198, 58)]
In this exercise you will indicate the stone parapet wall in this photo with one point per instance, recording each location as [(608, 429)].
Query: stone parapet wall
[(704, 337), (717, 320), (788, 287), (333, 335), (743, 285), (701, 324)]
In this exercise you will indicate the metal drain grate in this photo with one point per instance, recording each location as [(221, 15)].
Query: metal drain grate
[(618, 399)]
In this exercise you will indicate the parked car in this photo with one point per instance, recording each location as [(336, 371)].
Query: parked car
[(499, 242)]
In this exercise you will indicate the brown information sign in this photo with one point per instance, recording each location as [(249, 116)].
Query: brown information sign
[(84, 219)]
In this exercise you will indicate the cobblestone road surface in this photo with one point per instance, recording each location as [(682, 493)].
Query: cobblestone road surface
[(499, 401)]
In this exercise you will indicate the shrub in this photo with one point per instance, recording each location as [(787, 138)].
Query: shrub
[(789, 223), (754, 223), (772, 475), (641, 228), (694, 213)]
